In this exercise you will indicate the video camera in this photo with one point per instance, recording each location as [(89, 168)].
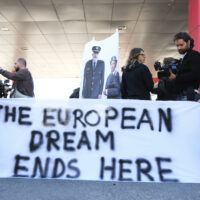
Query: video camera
[(163, 71), (5, 88)]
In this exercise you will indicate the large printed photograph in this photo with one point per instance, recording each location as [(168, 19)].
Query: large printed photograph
[(100, 74)]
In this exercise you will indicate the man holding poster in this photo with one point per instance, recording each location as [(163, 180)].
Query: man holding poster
[(93, 76)]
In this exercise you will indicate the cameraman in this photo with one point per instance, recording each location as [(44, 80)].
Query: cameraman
[(165, 89), (23, 85), (188, 76)]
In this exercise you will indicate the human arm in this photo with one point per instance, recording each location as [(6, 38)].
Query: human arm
[(84, 81), (102, 79), (147, 77), (19, 75)]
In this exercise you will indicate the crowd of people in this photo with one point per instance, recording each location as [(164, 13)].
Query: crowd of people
[(137, 81)]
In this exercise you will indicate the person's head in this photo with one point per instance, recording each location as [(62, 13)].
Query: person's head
[(168, 60), (96, 50), (184, 42), (113, 63), (136, 54), (20, 64), (95, 56)]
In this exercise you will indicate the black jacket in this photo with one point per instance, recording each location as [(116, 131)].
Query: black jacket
[(23, 80), (137, 82), (75, 94), (113, 86), (189, 72)]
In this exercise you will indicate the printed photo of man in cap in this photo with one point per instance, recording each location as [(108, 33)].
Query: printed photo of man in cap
[(112, 88), (93, 76)]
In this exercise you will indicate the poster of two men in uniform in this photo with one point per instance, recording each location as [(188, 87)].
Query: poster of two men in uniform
[(100, 74)]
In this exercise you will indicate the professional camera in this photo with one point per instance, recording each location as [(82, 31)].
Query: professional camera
[(163, 71), (5, 88), (166, 89)]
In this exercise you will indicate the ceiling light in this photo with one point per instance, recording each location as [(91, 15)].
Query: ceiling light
[(120, 28), (171, 2), (5, 29), (24, 48)]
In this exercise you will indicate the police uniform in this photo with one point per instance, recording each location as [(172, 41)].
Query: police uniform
[(113, 83), (93, 77)]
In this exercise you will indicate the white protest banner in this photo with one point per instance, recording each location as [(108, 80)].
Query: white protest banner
[(100, 74), (108, 140)]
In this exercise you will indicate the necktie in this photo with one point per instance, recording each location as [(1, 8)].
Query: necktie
[(94, 65)]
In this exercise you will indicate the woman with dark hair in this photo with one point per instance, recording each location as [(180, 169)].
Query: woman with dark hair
[(137, 80)]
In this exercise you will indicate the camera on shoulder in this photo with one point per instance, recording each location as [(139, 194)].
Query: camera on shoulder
[(163, 71)]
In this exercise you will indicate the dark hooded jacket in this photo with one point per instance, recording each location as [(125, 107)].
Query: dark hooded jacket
[(137, 82)]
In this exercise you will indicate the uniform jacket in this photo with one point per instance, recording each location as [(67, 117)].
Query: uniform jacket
[(93, 79), (137, 82), (113, 86)]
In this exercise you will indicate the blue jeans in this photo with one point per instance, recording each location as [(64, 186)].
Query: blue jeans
[(181, 98)]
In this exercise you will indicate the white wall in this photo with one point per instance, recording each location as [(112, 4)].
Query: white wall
[(55, 88)]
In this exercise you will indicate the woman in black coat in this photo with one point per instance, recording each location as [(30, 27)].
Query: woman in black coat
[(137, 80)]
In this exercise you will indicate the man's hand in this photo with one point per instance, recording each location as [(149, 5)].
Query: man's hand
[(172, 76)]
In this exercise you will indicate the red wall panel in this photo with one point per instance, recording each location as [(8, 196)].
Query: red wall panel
[(194, 22)]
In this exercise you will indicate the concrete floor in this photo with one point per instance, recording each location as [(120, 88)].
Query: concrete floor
[(35, 189)]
